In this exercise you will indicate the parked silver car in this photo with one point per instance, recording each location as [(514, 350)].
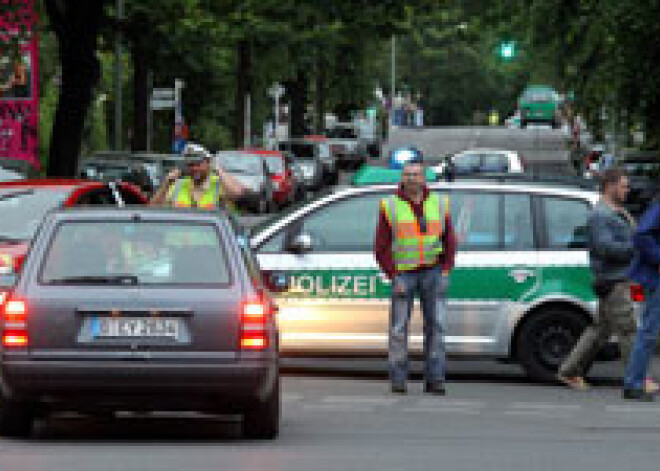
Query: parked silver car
[(252, 171)]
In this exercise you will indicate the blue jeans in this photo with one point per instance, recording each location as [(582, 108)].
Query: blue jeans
[(644, 346), (431, 287)]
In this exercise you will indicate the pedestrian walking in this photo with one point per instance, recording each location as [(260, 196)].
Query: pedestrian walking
[(645, 270), (415, 248), (610, 232)]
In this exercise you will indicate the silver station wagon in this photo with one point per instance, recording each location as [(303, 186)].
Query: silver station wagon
[(139, 309)]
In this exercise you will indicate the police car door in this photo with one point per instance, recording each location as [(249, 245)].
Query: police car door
[(338, 299), (496, 268)]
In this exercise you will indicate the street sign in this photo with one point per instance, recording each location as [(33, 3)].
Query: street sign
[(276, 91), (163, 94), (159, 104), (163, 98)]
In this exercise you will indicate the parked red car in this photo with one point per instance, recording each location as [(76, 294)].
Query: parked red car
[(280, 173), (24, 203)]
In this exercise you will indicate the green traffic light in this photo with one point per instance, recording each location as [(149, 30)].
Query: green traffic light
[(508, 50)]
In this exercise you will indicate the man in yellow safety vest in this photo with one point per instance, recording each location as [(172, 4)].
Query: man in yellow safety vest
[(199, 185), (415, 247)]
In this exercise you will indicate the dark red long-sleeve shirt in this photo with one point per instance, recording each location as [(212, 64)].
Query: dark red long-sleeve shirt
[(383, 242)]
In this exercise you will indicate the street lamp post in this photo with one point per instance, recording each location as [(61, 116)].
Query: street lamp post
[(276, 91), (393, 86), (118, 77)]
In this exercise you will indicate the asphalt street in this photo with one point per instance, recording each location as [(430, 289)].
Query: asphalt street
[(345, 418)]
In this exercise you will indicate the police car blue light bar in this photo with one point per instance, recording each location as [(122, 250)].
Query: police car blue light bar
[(399, 157)]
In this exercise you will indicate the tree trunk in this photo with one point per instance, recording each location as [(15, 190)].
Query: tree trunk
[(243, 88), (298, 93), (140, 95), (76, 24)]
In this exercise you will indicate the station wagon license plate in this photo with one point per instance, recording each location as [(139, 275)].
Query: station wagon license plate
[(135, 327)]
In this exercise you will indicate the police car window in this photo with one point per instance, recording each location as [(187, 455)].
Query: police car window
[(518, 228), (566, 223), (348, 225), (476, 216)]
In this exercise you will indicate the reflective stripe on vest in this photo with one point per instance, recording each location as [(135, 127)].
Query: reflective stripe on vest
[(182, 196), (412, 249)]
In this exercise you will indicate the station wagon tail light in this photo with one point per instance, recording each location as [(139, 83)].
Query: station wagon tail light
[(637, 293), (254, 312), (14, 318), (12, 339), (254, 341), (254, 324)]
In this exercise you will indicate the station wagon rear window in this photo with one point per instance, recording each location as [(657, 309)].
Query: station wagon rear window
[(135, 253)]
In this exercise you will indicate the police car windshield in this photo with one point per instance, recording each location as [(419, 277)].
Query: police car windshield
[(290, 210)]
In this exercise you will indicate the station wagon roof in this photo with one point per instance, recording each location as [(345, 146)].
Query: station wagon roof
[(137, 212)]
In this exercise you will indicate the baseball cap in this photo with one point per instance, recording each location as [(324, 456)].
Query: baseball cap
[(194, 153)]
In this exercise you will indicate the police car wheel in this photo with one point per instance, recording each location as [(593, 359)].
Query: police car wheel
[(16, 418), (545, 340), (262, 419)]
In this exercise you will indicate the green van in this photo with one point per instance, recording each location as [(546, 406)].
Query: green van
[(539, 104)]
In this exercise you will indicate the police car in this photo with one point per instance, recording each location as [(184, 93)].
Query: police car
[(521, 289)]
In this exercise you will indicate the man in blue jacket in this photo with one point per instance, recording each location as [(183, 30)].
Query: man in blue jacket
[(645, 269)]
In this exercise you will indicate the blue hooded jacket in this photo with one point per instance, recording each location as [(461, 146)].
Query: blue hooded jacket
[(645, 267)]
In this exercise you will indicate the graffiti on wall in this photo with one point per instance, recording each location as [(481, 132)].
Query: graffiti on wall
[(19, 93)]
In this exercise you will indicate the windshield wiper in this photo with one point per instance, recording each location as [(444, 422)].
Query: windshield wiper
[(97, 280)]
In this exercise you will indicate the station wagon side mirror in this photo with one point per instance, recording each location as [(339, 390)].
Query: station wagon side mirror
[(300, 244)]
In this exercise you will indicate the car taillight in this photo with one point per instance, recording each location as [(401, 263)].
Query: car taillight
[(254, 324), (14, 329), (637, 293)]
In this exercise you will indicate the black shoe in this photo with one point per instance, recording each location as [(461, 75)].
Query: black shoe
[(437, 387), (399, 388), (638, 395)]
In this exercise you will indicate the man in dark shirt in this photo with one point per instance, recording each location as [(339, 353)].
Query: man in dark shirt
[(415, 247)]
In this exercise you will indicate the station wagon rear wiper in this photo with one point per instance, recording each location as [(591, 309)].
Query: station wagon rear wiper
[(97, 279), (10, 240)]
